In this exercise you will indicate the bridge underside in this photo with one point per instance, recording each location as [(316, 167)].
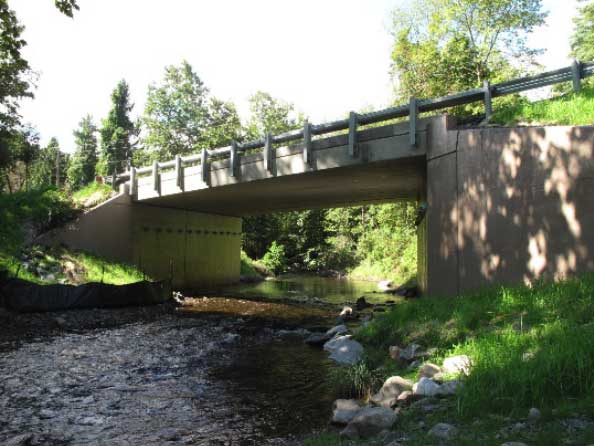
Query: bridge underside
[(385, 181)]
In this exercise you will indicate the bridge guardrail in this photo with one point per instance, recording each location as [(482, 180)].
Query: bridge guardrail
[(574, 73)]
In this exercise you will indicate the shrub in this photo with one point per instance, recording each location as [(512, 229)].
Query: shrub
[(275, 259)]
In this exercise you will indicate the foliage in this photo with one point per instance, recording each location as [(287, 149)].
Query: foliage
[(92, 195), (45, 169), (270, 115), (116, 132), (275, 260), (582, 40), (67, 7), (355, 381), (181, 117), (448, 46), (84, 160), (570, 109), (530, 346), (18, 157)]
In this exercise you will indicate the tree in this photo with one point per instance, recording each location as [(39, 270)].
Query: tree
[(268, 114), (117, 132), (181, 117), (84, 160), (50, 162), (442, 46), (582, 40)]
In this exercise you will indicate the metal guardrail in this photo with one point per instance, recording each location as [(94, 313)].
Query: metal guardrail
[(574, 73)]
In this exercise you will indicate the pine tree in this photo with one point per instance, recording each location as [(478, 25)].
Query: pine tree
[(117, 132), (582, 40), (84, 160)]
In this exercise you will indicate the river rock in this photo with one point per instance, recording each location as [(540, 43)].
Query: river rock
[(425, 387), (317, 339), (20, 440), (449, 388), (457, 364), (390, 391), (405, 398), (534, 414), (443, 431), (394, 352), (429, 370), (344, 350), (343, 411), (369, 422), (346, 313), (385, 285), (411, 352), (338, 330), (361, 304)]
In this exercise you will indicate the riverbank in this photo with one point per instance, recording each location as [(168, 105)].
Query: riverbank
[(532, 372)]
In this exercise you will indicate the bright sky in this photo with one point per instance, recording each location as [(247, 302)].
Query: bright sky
[(325, 56)]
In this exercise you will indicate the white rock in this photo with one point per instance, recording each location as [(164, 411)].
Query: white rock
[(411, 352), (457, 364), (429, 370), (343, 411), (344, 350), (338, 330), (425, 387), (390, 391), (449, 388), (385, 285), (346, 312), (534, 414), (369, 422), (443, 431)]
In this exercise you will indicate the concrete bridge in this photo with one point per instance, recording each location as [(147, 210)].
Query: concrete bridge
[(504, 205)]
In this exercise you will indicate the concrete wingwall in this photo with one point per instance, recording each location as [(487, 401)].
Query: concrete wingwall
[(192, 248), (506, 206)]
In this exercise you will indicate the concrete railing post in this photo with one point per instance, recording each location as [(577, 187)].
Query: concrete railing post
[(234, 163), (133, 182), (576, 72), (156, 180), (413, 114), (268, 152), (488, 100), (205, 167), (353, 134), (179, 173), (307, 148)]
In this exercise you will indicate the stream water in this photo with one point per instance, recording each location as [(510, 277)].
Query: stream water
[(218, 371)]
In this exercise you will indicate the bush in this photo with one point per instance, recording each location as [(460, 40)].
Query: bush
[(275, 259), (356, 381)]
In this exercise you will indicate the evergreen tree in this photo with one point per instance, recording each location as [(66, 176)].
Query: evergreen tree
[(117, 132), (48, 165), (582, 40), (84, 160)]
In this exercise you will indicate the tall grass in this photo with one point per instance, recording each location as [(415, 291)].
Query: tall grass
[(531, 346)]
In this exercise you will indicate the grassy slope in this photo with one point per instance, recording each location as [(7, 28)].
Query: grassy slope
[(570, 109), (32, 212), (531, 347)]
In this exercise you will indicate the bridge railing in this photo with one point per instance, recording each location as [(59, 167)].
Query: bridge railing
[(574, 74)]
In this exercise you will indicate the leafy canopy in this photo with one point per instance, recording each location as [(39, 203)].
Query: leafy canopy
[(582, 40), (84, 160)]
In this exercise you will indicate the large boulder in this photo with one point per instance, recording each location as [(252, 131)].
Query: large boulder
[(426, 387), (449, 388), (369, 422), (390, 391), (343, 411), (338, 330), (344, 350), (457, 365)]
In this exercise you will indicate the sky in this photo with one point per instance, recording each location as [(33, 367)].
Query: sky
[(325, 56)]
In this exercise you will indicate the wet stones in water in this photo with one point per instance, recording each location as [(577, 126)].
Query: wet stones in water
[(319, 339), (344, 350), (343, 411), (346, 314), (369, 422), (362, 304)]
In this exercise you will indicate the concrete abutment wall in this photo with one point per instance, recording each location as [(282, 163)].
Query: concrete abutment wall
[(192, 248), (506, 206)]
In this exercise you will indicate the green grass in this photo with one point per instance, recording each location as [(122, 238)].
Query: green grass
[(252, 268), (570, 109), (530, 346), (92, 194)]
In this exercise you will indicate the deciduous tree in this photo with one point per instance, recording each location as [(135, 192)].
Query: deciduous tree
[(84, 160)]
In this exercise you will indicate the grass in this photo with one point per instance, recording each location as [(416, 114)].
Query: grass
[(25, 214), (252, 268), (530, 346), (92, 195), (569, 109)]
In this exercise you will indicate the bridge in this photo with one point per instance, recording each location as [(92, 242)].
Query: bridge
[(504, 205)]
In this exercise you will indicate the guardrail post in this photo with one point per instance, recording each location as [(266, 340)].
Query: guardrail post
[(307, 152), (488, 100), (268, 152), (179, 173), (413, 114), (353, 134), (576, 72), (133, 182), (156, 182), (205, 167), (234, 160)]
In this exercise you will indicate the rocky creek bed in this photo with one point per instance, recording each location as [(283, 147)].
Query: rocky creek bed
[(218, 372)]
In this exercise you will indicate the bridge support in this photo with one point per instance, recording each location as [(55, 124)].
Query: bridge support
[(193, 249), (506, 206)]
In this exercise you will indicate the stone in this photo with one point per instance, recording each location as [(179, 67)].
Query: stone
[(369, 422), (457, 365), (443, 431), (346, 313), (47, 414), (449, 388), (534, 414), (394, 351), (411, 352), (425, 387), (20, 440), (344, 350), (385, 285), (390, 391), (60, 321), (429, 370), (338, 330), (343, 411), (405, 398), (361, 304), (317, 339)]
